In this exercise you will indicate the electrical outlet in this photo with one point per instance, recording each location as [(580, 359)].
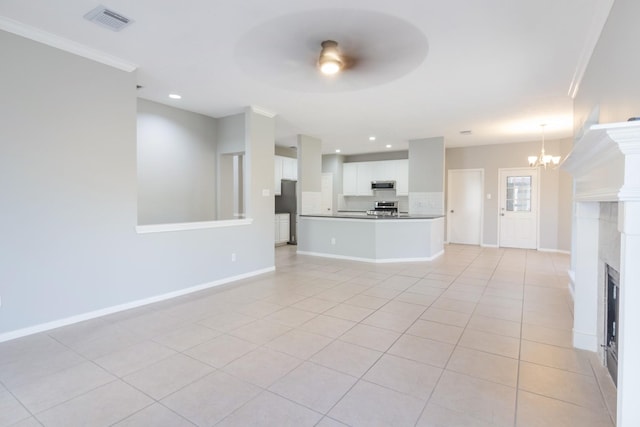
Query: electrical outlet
[(233, 257), (333, 240)]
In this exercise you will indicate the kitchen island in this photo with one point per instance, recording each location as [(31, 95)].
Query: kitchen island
[(372, 238)]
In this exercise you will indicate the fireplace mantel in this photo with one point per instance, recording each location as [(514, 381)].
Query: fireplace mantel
[(605, 164)]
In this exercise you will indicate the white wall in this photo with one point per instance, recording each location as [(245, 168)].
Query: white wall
[(176, 165), (68, 183)]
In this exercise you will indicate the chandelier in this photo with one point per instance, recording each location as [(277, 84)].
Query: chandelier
[(543, 159)]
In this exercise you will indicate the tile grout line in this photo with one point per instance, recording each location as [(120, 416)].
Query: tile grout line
[(524, 280), (450, 355)]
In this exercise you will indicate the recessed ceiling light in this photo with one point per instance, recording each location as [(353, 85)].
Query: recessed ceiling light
[(337, 150), (174, 96), (388, 145), (372, 138)]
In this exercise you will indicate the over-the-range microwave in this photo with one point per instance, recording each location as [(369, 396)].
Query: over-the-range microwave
[(383, 185)]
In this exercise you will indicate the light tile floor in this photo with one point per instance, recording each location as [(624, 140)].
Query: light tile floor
[(478, 337)]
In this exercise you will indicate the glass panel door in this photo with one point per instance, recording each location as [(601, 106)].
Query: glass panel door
[(518, 196)]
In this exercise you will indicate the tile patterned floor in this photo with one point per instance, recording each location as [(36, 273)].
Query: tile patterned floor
[(478, 337)]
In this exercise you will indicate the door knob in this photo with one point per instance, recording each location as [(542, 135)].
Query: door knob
[(451, 211), (501, 214)]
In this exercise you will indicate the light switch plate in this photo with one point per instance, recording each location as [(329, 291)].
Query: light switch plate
[(265, 192)]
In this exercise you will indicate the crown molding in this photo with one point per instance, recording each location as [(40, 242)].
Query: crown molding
[(35, 34), (600, 16), (263, 112)]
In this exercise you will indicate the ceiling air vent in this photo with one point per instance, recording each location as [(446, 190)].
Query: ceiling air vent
[(108, 18)]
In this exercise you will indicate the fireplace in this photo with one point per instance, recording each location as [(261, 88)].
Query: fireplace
[(612, 320), (605, 164)]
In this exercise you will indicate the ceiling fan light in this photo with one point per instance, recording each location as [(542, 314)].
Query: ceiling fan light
[(330, 61), (330, 66)]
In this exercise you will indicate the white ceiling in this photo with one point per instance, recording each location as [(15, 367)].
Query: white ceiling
[(424, 68)]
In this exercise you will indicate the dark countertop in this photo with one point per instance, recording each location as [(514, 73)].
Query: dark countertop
[(349, 215)]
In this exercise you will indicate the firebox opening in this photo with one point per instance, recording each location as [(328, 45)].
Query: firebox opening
[(612, 321)]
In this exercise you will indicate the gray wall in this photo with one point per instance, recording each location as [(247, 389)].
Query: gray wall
[(332, 163), (231, 142), (309, 163), (555, 187), (231, 134), (374, 157), (611, 78), (68, 189), (176, 165), (260, 142), (286, 151), (426, 165)]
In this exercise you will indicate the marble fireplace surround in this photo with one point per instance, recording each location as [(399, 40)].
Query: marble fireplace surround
[(605, 164)]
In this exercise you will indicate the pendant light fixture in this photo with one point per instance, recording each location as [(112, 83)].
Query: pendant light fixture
[(543, 159), (330, 61)]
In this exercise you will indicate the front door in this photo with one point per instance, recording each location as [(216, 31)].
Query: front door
[(518, 215), (464, 205)]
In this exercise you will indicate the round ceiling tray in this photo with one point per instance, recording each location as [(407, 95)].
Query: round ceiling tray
[(283, 52)]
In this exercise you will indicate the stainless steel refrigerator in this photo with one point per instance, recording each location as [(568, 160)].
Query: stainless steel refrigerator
[(287, 202)]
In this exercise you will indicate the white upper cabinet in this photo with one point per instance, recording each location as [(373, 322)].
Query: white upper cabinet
[(284, 168), (277, 175), (365, 176), (357, 176), (384, 170), (289, 168), (350, 179)]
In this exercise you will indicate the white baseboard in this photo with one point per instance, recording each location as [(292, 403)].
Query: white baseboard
[(486, 245), (371, 260), (121, 307), (585, 341), (555, 251)]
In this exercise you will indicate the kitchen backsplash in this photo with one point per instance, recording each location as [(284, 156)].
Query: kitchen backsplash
[(363, 203)]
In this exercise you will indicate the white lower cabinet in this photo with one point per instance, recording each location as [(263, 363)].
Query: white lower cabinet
[(282, 228)]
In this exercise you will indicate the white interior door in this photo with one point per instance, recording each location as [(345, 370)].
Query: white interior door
[(327, 193), (464, 205), (518, 218)]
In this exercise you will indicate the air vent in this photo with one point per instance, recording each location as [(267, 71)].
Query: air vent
[(465, 132), (108, 18)]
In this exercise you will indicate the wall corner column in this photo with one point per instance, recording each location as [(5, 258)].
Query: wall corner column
[(628, 411), (585, 319)]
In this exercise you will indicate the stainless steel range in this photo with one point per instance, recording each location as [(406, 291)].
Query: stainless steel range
[(384, 208)]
